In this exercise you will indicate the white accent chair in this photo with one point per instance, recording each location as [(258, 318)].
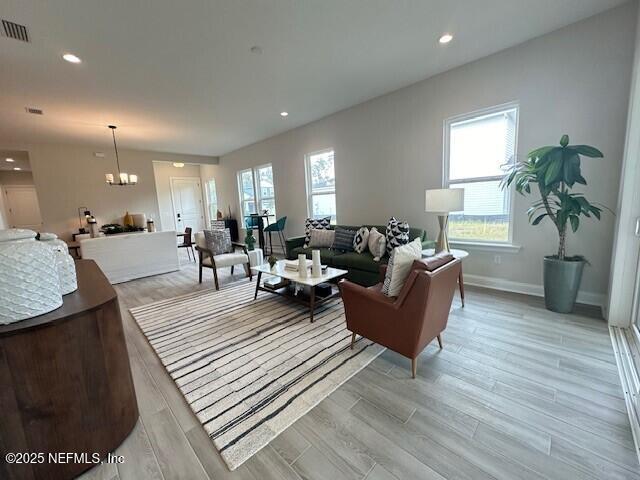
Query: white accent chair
[(206, 259)]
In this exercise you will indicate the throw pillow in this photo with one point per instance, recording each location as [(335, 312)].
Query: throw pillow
[(397, 234), (218, 241), (310, 223), (361, 240), (399, 267), (344, 239), (321, 238), (377, 244)]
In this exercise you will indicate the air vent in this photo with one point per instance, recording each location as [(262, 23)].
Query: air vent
[(34, 111), (15, 31)]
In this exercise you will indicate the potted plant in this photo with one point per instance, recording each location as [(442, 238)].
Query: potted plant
[(554, 170)]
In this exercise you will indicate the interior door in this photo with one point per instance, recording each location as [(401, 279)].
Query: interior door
[(22, 207), (186, 194)]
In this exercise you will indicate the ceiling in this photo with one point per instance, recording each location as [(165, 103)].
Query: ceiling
[(20, 160), (179, 76)]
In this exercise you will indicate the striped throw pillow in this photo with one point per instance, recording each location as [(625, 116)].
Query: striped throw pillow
[(344, 239)]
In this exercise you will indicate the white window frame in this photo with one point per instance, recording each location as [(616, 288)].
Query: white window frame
[(257, 193), (212, 215), (308, 181), (447, 183)]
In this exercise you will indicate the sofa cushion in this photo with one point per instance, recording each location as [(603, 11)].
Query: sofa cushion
[(344, 239), (377, 244), (311, 223), (327, 255), (400, 263), (321, 238), (397, 233), (356, 261), (361, 240)]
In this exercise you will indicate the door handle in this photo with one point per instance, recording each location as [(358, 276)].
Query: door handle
[(637, 232)]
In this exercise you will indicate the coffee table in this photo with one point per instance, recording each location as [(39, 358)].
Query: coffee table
[(330, 274)]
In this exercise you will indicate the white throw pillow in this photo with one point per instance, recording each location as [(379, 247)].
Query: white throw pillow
[(400, 266), (321, 238), (377, 244), (361, 240)]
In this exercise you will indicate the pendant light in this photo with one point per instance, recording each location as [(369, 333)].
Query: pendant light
[(124, 179)]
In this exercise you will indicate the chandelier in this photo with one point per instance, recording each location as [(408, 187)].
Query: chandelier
[(124, 179)]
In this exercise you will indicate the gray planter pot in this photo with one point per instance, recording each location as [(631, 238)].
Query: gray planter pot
[(561, 283)]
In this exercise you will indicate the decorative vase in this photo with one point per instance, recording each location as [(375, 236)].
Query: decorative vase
[(64, 262), (561, 283), (272, 263), (29, 279), (316, 266), (302, 265), (250, 240), (151, 227)]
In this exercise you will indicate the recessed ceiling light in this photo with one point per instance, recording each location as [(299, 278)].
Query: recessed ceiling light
[(446, 38), (71, 58), (11, 160), (284, 114), (17, 168)]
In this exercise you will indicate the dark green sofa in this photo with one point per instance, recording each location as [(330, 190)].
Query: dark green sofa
[(363, 269)]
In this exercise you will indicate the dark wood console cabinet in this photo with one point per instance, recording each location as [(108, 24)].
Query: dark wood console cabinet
[(65, 382)]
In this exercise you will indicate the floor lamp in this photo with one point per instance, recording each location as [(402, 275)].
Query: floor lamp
[(443, 201)]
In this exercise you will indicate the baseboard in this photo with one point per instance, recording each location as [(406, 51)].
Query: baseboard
[(587, 298), (626, 348)]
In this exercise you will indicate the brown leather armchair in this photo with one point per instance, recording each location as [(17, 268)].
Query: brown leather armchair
[(408, 323)]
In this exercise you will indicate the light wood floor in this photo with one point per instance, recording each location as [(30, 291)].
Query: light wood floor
[(517, 392)]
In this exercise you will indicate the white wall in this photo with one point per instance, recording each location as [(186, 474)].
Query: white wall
[(11, 178), (389, 150), (70, 176), (625, 264), (163, 172)]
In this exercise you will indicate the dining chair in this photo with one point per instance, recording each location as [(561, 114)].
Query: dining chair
[(277, 227), (187, 242)]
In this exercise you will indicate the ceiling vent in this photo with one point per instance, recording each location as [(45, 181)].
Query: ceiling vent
[(34, 111), (15, 31)]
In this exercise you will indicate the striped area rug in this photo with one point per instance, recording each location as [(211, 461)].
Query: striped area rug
[(247, 368)]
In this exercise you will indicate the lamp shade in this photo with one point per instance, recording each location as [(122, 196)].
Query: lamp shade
[(444, 200)]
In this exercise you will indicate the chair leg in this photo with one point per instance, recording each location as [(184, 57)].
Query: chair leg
[(281, 235), (414, 367), (353, 339), (200, 273), (270, 242), (193, 253), (215, 278), (440, 341), (232, 266)]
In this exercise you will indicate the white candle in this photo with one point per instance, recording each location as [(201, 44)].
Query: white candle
[(133, 179), (124, 178), (316, 266), (302, 265), (109, 178)]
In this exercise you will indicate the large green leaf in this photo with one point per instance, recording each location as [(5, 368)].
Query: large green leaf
[(575, 223), (587, 151), (538, 219), (540, 153), (553, 170)]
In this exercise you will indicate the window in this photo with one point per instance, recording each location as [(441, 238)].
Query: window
[(477, 147), (212, 199), (257, 192), (321, 185)]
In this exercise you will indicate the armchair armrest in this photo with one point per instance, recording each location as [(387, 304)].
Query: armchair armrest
[(357, 295), (291, 243), (242, 246)]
